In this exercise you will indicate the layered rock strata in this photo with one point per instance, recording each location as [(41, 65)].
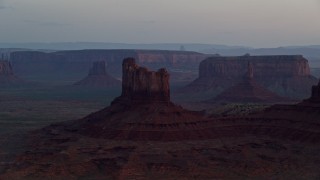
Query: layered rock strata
[(141, 85), (285, 75)]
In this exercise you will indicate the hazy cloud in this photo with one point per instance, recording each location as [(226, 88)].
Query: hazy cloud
[(148, 22), (45, 23), (250, 22), (4, 6)]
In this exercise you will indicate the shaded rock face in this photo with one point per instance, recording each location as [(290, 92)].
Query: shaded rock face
[(285, 75), (278, 66), (248, 91), (7, 76), (99, 68), (5, 68), (314, 100), (140, 84), (98, 77), (316, 92)]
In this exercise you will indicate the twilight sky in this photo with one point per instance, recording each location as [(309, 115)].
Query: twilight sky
[(256, 23)]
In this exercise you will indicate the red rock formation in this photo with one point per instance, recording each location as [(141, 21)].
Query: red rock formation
[(143, 111), (140, 84), (98, 77), (248, 91), (282, 142), (285, 75)]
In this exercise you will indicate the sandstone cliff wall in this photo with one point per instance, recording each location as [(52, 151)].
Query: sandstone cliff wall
[(7, 76), (98, 68), (140, 84), (315, 94), (98, 77), (265, 66), (5, 68), (288, 76)]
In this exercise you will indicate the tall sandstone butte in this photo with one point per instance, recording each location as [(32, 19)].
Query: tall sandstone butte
[(5, 68), (140, 84), (285, 75), (315, 94), (98, 77), (7, 76)]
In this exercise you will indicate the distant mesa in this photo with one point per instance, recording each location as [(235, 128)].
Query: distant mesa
[(286, 75), (98, 77), (7, 77), (248, 91), (143, 111), (67, 64), (315, 94)]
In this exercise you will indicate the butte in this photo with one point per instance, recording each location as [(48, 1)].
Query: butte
[(142, 112), (7, 76), (98, 77), (248, 91)]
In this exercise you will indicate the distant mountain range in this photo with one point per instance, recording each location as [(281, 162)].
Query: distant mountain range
[(312, 52), (101, 45)]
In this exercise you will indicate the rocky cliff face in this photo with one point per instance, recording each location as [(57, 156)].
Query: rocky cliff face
[(285, 75), (248, 91), (265, 66), (7, 76), (5, 68), (98, 77), (98, 68), (140, 84), (315, 94), (169, 58)]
